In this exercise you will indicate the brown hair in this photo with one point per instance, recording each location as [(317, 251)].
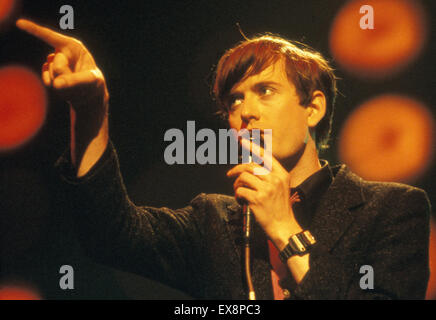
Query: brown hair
[(306, 69)]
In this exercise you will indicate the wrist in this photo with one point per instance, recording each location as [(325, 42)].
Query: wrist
[(281, 236), (92, 151)]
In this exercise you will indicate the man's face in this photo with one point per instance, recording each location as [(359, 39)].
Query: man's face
[(269, 101)]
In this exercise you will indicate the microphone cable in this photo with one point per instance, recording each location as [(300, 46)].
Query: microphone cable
[(248, 216)]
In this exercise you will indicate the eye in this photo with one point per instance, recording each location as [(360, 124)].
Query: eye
[(266, 91), (235, 101)]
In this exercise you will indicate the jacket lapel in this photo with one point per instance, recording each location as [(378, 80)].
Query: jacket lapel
[(334, 214)]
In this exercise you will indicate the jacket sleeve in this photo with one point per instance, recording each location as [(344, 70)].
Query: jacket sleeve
[(397, 251), (158, 243)]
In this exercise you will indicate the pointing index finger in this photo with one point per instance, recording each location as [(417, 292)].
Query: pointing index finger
[(47, 35)]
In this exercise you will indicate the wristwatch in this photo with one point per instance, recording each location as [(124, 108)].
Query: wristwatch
[(299, 244)]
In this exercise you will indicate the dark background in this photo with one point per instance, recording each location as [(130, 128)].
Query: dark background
[(157, 57)]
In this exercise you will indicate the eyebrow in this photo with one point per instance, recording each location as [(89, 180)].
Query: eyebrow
[(256, 86)]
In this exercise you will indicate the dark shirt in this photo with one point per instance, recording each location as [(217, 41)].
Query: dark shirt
[(311, 191)]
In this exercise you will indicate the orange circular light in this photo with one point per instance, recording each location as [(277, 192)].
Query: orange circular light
[(431, 288), (398, 36), (388, 138), (22, 106), (18, 293), (6, 8)]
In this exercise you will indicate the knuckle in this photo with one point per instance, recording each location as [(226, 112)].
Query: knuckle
[(77, 42), (98, 76), (264, 171), (238, 193), (261, 197), (269, 189), (275, 180), (271, 179), (243, 176), (57, 68)]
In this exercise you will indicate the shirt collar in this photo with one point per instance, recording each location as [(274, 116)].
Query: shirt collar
[(317, 183)]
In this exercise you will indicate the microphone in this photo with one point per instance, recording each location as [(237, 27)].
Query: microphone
[(248, 217)]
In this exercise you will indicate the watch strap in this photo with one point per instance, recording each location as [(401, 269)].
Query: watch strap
[(298, 244)]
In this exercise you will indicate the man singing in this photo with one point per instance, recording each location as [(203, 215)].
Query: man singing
[(315, 226)]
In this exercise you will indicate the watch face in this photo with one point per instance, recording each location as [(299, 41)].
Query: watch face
[(299, 245), (309, 238), (301, 242)]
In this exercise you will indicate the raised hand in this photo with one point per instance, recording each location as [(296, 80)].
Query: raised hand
[(72, 71), (71, 65)]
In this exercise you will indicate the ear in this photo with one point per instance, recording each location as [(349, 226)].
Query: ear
[(316, 109)]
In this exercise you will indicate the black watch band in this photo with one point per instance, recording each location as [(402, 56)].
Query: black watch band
[(299, 244)]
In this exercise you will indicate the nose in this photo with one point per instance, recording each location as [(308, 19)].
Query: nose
[(250, 110)]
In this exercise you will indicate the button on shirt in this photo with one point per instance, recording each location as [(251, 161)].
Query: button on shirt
[(310, 192)]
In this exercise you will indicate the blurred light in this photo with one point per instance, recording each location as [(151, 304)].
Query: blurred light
[(9, 11), (388, 138), (399, 34), (6, 8), (14, 292), (22, 106), (431, 289)]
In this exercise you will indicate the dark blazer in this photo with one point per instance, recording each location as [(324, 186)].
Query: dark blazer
[(197, 249)]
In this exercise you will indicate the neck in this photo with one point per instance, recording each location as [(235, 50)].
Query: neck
[(306, 165)]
